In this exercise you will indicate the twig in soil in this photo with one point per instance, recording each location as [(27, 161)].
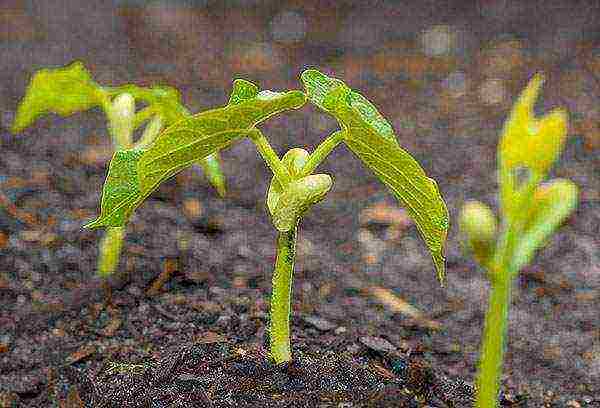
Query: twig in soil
[(107, 293), (169, 266), (16, 212), (398, 305)]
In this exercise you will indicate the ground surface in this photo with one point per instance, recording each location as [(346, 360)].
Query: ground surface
[(199, 340)]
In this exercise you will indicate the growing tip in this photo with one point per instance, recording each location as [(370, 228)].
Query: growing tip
[(529, 95)]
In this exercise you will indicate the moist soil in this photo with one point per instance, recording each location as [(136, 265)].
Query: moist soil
[(188, 317)]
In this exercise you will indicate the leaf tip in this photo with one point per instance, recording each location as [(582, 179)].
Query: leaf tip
[(94, 224), (321, 89), (242, 90)]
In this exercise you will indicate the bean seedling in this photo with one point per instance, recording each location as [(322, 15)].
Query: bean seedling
[(71, 89), (134, 173), (531, 211)]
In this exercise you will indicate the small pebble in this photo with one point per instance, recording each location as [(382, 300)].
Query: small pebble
[(377, 344), (319, 323)]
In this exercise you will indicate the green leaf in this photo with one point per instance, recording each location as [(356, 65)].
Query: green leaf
[(205, 133), (64, 91), (370, 137), (134, 174), (293, 160), (297, 198), (121, 193), (552, 203)]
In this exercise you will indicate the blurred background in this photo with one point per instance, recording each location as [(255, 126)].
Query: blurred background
[(445, 73)]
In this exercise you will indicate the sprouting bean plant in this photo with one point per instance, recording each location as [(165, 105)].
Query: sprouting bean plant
[(71, 89), (135, 172), (531, 210)]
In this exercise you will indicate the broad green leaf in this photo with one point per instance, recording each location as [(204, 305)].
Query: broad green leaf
[(528, 143), (121, 193), (552, 203), (293, 160), (64, 91), (370, 137), (205, 133), (297, 198)]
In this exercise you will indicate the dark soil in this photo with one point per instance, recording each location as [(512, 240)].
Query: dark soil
[(199, 340)]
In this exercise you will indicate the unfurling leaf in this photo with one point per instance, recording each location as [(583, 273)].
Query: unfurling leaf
[(293, 160), (478, 224), (528, 143), (370, 136), (64, 91), (552, 204), (297, 198)]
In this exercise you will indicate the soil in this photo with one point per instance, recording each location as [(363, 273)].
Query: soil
[(198, 338)]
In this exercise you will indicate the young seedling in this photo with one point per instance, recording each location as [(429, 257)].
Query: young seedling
[(294, 189), (71, 89), (531, 211)]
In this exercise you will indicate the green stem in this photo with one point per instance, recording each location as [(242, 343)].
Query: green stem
[(501, 272), (281, 296), (270, 157), (110, 249), (321, 152), (494, 343)]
